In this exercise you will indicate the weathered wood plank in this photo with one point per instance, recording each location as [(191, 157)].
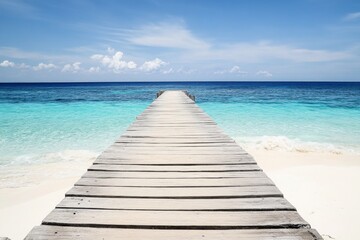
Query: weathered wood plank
[(46, 232), (126, 182), (175, 219), (174, 175), (184, 157), (189, 148), (204, 148), (180, 192), (173, 146), (229, 204), (174, 168), (133, 151), (170, 161), (170, 129), (173, 140)]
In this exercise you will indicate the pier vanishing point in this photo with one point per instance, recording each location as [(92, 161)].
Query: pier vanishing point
[(174, 175)]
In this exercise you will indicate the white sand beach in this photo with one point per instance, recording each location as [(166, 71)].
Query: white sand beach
[(323, 187), (22, 208)]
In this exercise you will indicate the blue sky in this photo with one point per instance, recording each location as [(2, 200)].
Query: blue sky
[(152, 40)]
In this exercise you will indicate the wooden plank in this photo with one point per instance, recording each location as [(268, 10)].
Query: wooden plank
[(46, 232), (174, 175), (173, 140), (175, 219), (193, 118), (171, 129), (168, 121), (175, 157), (229, 204), (182, 152), (171, 161), (159, 145), (173, 134), (190, 148), (222, 182), (180, 192), (174, 168), (222, 148)]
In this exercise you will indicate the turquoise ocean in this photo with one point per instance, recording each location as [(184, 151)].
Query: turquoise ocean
[(52, 122)]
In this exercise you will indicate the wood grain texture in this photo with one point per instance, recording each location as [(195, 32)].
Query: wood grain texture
[(174, 168), (175, 219), (45, 232), (180, 192), (229, 204), (174, 175), (128, 182)]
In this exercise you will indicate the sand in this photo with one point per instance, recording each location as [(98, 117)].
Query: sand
[(22, 208), (324, 187)]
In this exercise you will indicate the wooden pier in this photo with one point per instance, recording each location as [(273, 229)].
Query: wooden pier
[(174, 175)]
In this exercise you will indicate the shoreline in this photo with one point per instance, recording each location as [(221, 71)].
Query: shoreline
[(317, 184)]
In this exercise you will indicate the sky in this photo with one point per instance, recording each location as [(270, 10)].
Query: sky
[(179, 40)]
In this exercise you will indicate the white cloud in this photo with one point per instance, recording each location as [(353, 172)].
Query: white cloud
[(94, 69), (23, 66), (168, 35), (44, 66), (168, 71), (180, 70), (16, 53), (352, 16), (115, 61), (176, 35), (131, 65), (7, 63), (153, 65), (186, 70), (97, 57), (234, 70), (110, 50), (74, 67), (264, 73), (264, 51)]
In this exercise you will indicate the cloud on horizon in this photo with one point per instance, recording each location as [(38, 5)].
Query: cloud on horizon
[(233, 70), (264, 73), (7, 63), (45, 66), (74, 67), (153, 65), (114, 61)]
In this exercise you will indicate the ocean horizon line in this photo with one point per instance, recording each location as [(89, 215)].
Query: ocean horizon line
[(185, 81)]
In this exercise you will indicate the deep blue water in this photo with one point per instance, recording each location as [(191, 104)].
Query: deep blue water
[(328, 93)]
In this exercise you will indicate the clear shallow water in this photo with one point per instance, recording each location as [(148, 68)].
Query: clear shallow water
[(64, 122)]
